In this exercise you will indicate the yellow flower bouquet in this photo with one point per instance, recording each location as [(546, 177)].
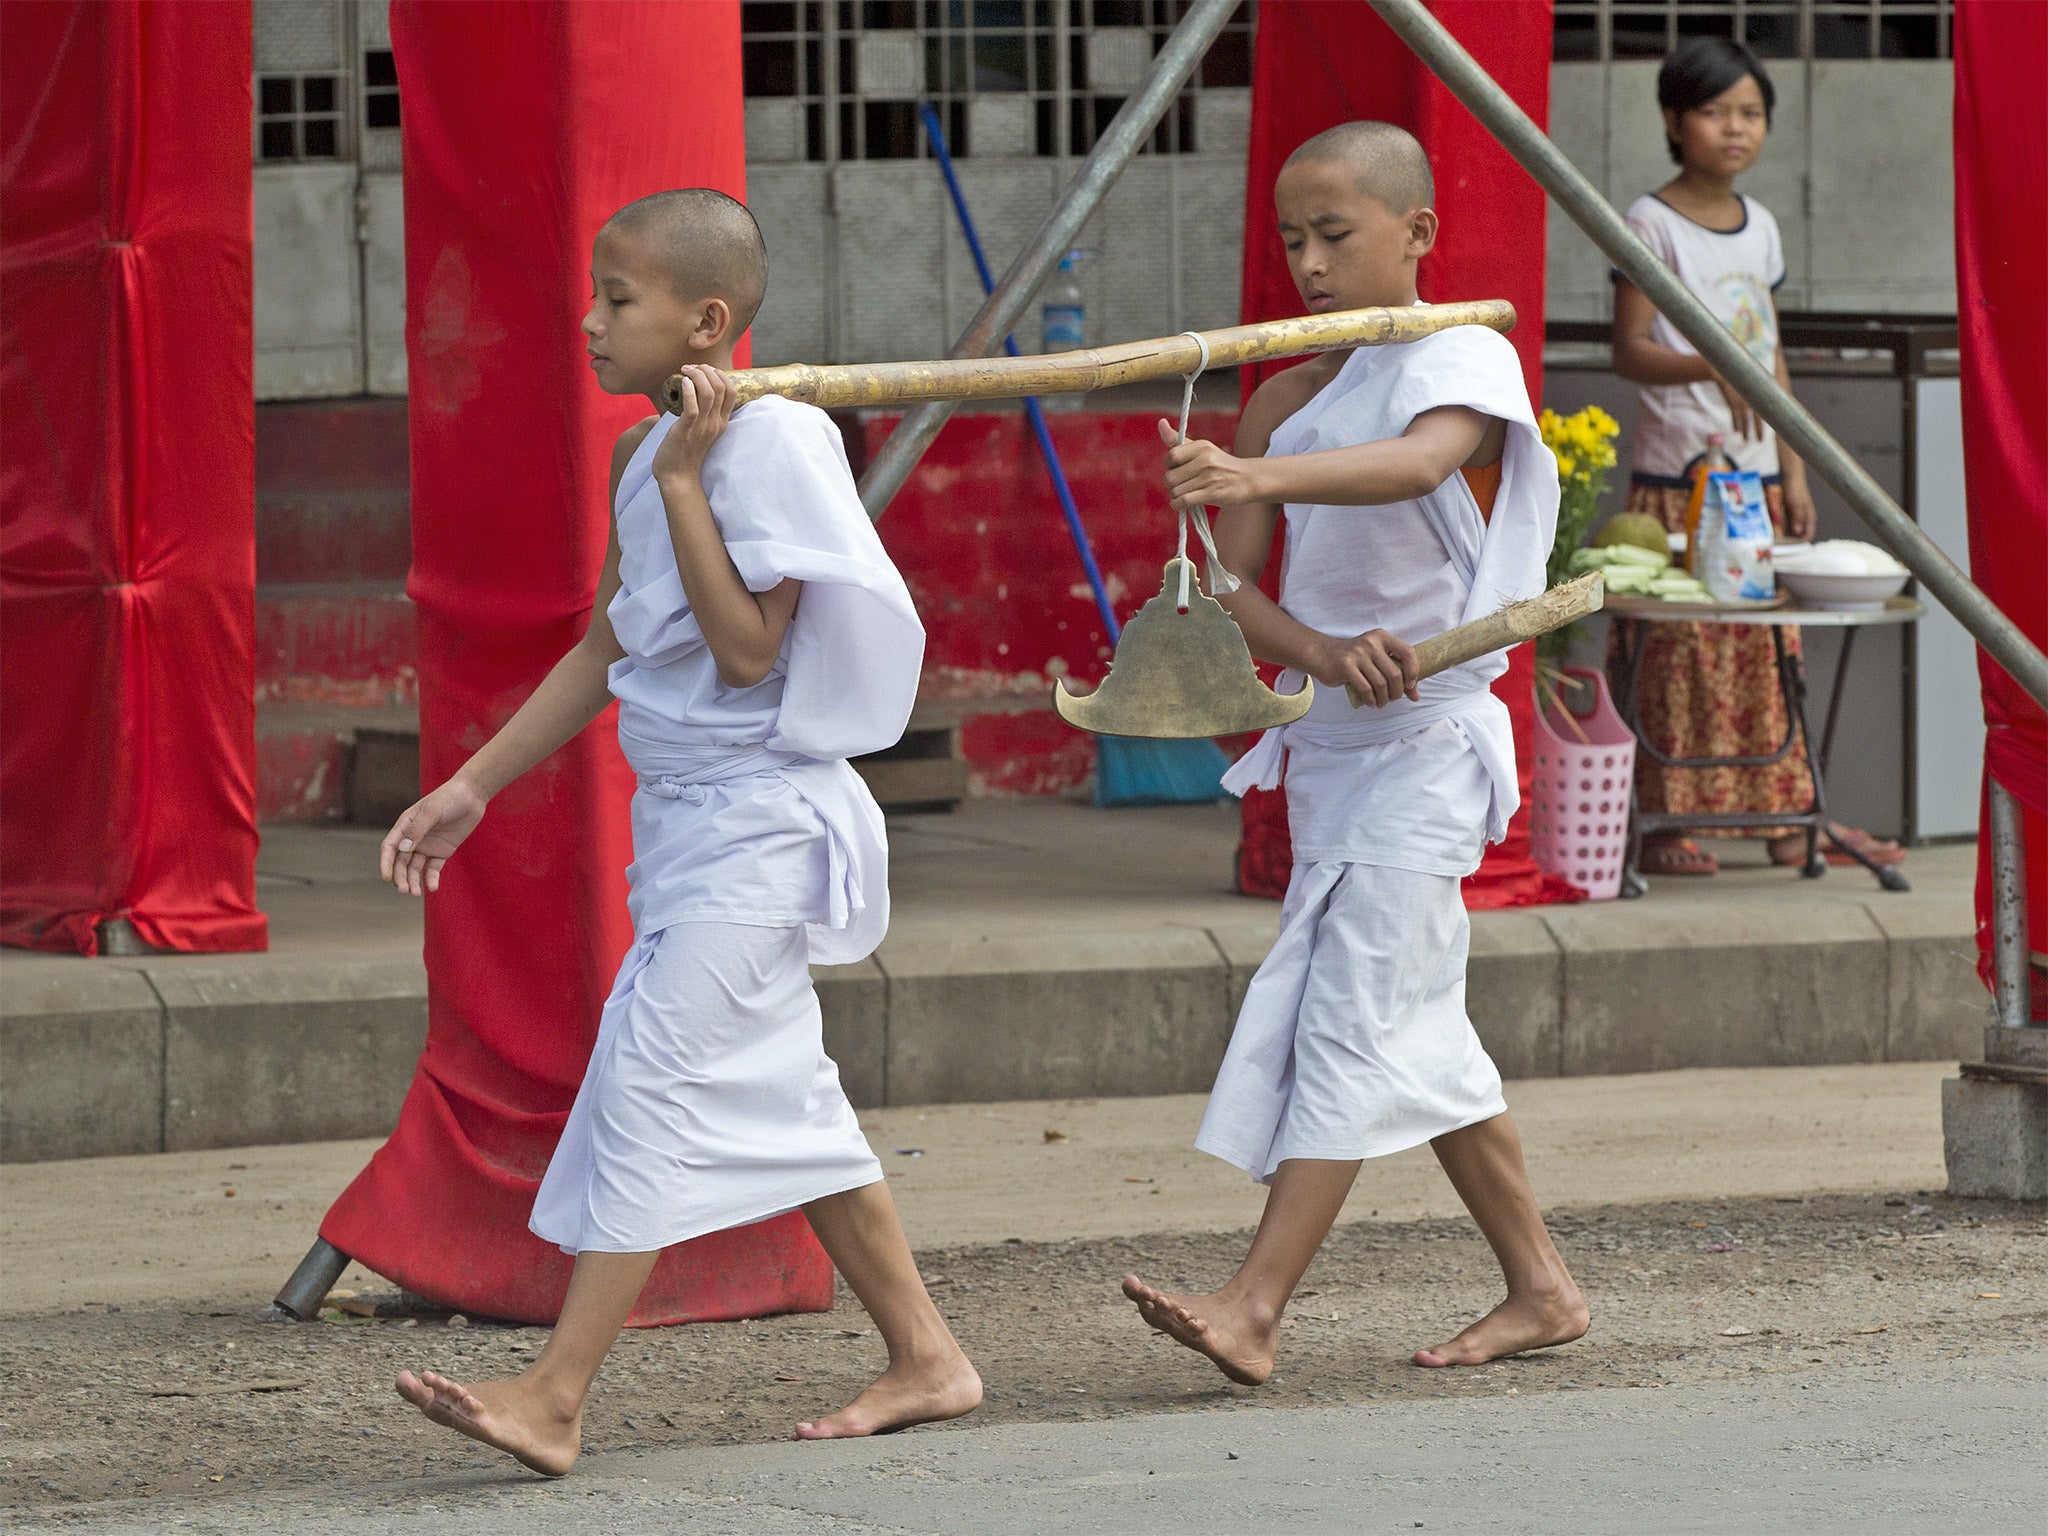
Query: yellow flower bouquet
[(1584, 445)]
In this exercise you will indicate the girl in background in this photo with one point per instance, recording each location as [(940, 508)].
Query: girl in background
[(1711, 690)]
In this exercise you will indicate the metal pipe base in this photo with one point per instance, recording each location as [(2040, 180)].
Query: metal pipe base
[(299, 1301)]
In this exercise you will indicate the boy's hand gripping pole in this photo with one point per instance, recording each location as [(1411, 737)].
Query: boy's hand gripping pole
[(1561, 605)]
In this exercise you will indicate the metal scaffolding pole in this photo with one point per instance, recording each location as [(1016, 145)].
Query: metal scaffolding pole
[(1497, 111), (2011, 982), (999, 313)]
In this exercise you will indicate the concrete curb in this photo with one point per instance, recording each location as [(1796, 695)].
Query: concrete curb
[(171, 1054)]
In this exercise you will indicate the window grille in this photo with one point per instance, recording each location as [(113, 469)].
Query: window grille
[(1599, 30), (303, 110), (299, 117), (380, 89), (837, 80)]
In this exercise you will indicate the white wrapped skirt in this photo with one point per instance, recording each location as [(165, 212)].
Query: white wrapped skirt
[(709, 1101), (1353, 1041)]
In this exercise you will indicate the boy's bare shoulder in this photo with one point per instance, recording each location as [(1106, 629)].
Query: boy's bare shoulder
[(623, 450), (1282, 395), (629, 443)]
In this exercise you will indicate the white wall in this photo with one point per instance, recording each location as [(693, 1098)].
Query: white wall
[(867, 262), (1857, 170), (329, 234)]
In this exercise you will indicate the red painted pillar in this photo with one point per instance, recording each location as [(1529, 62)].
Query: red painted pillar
[(527, 123), (1320, 65), (2001, 149), (127, 474)]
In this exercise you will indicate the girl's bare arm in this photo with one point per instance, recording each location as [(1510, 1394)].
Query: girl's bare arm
[(1639, 359), (1642, 361)]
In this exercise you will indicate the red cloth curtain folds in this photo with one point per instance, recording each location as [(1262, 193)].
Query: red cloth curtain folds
[(128, 541), (526, 124), (2001, 150), (1320, 65)]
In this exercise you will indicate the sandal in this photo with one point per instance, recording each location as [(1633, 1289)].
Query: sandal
[(1790, 850), (1676, 856)]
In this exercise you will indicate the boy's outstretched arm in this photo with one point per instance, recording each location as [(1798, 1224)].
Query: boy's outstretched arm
[(1436, 444), (744, 629), (574, 693), (1379, 665)]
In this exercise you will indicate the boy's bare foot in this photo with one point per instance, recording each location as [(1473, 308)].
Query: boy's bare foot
[(901, 1396), (508, 1415), (1241, 1344), (1519, 1324)]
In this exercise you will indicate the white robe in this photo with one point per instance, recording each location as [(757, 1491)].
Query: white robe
[(709, 1101), (1353, 1040)]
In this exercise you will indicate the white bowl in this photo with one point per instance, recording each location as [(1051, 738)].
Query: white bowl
[(1843, 594)]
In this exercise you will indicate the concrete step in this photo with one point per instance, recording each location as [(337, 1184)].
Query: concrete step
[(336, 762), (333, 497), (336, 643), (1039, 949)]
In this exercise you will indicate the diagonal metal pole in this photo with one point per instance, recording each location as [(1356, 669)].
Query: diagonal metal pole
[(998, 315), (1497, 111)]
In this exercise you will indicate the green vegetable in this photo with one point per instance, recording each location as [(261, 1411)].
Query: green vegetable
[(1633, 554), (1617, 557)]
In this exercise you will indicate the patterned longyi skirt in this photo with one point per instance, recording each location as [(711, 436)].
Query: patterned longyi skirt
[(1711, 690)]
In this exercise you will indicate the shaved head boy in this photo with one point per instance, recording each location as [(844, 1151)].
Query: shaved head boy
[(709, 1102), (1417, 495), (1390, 162), (706, 243)]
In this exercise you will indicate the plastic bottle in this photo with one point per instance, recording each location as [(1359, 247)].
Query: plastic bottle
[(1714, 461), (1063, 315)]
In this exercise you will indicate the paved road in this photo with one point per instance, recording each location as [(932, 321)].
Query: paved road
[(1955, 1449)]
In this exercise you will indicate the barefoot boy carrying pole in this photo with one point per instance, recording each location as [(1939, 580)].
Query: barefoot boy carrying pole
[(756, 636), (1418, 496)]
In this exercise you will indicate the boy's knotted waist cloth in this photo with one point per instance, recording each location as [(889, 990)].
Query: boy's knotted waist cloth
[(747, 833), (1483, 718)]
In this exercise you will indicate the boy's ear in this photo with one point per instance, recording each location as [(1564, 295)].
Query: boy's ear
[(1421, 232), (713, 322)]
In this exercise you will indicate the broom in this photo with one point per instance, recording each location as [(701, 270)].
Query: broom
[(1128, 771)]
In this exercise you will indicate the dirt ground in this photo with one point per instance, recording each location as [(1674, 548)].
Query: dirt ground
[(171, 1403), (207, 1225)]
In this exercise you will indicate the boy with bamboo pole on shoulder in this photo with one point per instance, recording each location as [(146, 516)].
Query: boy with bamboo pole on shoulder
[(1418, 496)]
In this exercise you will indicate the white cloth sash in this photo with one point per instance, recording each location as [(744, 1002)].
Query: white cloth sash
[(856, 837), (1484, 717)]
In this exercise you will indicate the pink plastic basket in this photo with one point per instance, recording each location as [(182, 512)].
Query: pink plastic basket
[(1578, 823)]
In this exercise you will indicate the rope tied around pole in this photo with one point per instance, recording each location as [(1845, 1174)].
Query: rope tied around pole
[(1221, 582)]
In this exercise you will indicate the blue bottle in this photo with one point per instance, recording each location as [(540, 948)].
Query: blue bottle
[(1063, 317)]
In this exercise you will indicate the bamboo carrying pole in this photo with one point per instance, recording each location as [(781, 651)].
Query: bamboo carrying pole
[(1132, 362), (1543, 160), (1539, 615)]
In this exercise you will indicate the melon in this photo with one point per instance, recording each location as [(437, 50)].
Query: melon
[(1637, 528)]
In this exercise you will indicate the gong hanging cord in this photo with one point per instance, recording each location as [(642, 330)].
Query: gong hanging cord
[(1221, 582)]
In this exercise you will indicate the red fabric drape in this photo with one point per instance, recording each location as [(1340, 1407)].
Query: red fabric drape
[(1320, 65), (2001, 149), (128, 542), (526, 124)]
